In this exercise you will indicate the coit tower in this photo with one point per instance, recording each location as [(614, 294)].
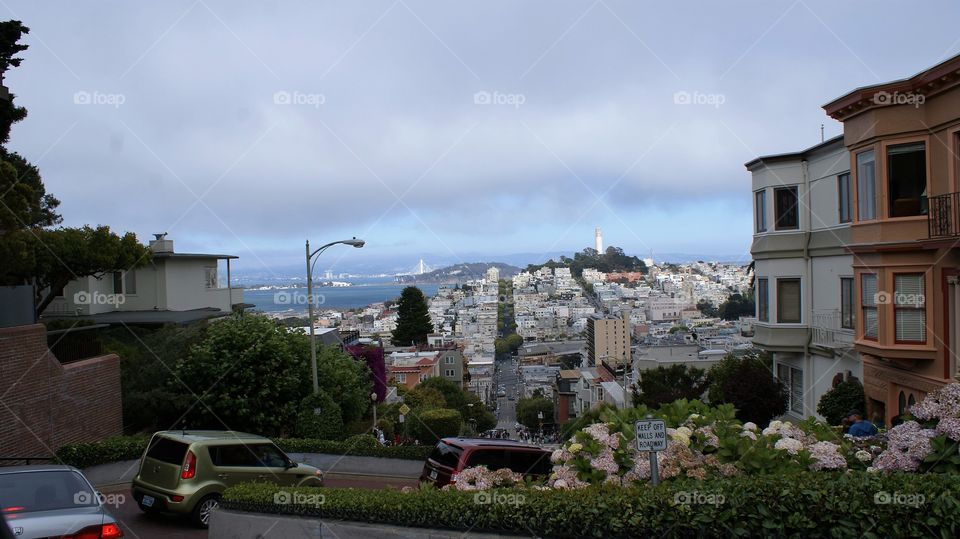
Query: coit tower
[(598, 240)]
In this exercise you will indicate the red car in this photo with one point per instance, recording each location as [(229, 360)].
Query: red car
[(452, 455)]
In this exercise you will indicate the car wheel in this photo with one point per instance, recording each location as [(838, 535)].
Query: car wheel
[(203, 509)]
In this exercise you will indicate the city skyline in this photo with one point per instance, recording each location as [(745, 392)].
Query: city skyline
[(404, 124)]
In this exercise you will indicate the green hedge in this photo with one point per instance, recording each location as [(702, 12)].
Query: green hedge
[(431, 425), (800, 505), (84, 455), (117, 448)]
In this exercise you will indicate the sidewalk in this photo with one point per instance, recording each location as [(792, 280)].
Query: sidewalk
[(117, 473)]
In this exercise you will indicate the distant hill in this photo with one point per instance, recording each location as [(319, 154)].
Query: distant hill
[(613, 259), (459, 273)]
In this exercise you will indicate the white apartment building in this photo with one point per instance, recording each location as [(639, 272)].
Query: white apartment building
[(803, 272)]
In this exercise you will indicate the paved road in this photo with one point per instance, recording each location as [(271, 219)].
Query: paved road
[(137, 524), (507, 411)]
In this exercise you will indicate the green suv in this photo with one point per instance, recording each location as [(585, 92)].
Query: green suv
[(185, 471)]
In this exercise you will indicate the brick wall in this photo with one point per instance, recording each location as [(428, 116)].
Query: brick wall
[(44, 404)]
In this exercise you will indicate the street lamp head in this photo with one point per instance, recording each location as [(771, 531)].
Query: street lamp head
[(354, 242)]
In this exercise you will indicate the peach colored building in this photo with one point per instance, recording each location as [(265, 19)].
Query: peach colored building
[(904, 141)]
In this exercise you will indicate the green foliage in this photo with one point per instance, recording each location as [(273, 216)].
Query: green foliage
[(319, 416), (453, 395), (810, 504), (430, 425), (748, 384), (667, 384), (424, 398), (413, 319), (737, 305), (611, 260), (364, 441), (345, 379), (152, 398), (835, 404), (252, 374), (120, 448), (514, 341), (528, 410), (114, 449), (387, 427), (707, 309)]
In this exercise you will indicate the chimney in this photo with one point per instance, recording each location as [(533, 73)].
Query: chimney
[(161, 244)]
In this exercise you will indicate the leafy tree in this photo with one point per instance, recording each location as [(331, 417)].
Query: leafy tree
[(514, 341), (736, 306), (247, 374), (32, 253), (413, 319), (529, 409), (346, 380), (454, 396), (667, 384), (424, 398), (835, 404), (429, 426), (319, 416), (748, 384), (152, 398), (707, 309)]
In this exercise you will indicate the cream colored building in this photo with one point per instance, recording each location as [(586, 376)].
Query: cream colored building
[(608, 339)]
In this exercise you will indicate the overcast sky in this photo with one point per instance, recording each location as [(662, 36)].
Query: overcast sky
[(452, 128)]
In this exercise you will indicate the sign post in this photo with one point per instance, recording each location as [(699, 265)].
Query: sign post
[(651, 436)]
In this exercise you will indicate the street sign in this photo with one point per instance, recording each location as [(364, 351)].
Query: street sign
[(404, 409), (400, 418), (651, 435)]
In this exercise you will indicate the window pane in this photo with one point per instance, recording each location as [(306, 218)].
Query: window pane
[(843, 188), (785, 199), (847, 317), (907, 179), (866, 186), (760, 208), (868, 290), (763, 300), (870, 322), (911, 325), (117, 282), (796, 390), (130, 282), (788, 301), (908, 290)]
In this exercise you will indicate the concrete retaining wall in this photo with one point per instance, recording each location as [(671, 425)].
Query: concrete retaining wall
[(239, 525)]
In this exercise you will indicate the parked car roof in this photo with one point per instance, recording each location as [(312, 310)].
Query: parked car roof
[(488, 442), (191, 436), (37, 468)]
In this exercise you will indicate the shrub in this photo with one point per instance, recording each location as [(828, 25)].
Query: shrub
[(431, 425), (387, 427), (363, 441), (794, 505), (319, 417), (667, 384), (835, 404), (117, 448)]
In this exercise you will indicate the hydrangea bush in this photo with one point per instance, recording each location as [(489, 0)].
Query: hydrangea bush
[(706, 442)]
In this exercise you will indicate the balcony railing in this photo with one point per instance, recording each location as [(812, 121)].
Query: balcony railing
[(827, 330), (943, 218)]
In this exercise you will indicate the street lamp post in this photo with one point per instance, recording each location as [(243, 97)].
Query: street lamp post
[(313, 342), (373, 398)]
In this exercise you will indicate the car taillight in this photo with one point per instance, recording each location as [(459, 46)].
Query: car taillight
[(189, 466), (453, 478), (106, 531), (110, 531)]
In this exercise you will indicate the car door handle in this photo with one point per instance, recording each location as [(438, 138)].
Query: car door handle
[(222, 475), (261, 476)]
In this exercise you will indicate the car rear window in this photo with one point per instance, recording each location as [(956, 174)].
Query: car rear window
[(446, 455), (26, 492), (167, 450), (523, 462)]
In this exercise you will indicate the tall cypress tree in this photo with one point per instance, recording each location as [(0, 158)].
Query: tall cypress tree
[(413, 320)]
